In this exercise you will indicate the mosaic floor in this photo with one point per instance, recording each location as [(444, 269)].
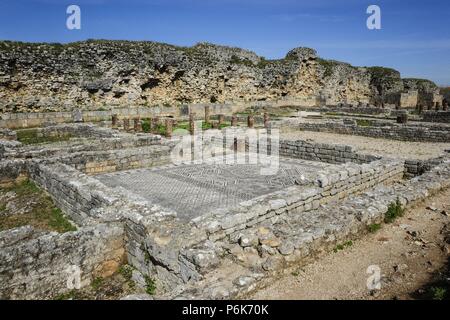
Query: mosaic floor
[(192, 190)]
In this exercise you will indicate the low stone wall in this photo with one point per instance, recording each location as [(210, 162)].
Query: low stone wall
[(34, 265), (322, 152), (94, 162), (439, 116), (6, 134), (39, 119), (384, 130), (12, 171), (415, 168), (77, 194)]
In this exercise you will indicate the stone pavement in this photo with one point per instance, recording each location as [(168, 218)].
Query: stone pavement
[(192, 190)]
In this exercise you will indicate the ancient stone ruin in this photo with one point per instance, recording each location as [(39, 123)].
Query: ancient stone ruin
[(211, 191)]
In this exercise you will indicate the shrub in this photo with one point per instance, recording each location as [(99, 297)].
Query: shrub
[(394, 211), (150, 285), (374, 227)]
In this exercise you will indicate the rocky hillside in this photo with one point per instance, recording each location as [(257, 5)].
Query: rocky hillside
[(98, 73)]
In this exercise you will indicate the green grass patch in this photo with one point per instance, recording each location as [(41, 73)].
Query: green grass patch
[(342, 246), (374, 227), (438, 293), (146, 125), (364, 122), (150, 285), (39, 209), (96, 283), (32, 136), (394, 211)]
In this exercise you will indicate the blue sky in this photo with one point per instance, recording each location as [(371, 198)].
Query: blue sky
[(414, 39)]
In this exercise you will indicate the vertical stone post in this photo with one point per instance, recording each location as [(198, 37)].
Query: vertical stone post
[(207, 114), (114, 121), (419, 108), (402, 118), (250, 121), (137, 125), (266, 120), (154, 124), (444, 105), (169, 128), (126, 124), (234, 120), (221, 119), (191, 123)]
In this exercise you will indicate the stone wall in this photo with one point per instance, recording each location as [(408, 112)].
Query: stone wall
[(6, 134), (77, 194), (39, 119), (440, 116), (36, 265), (386, 130), (322, 152), (415, 168), (94, 162), (409, 99)]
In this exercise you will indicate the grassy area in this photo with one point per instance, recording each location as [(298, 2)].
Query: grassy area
[(374, 227), (364, 122), (31, 206), (342, 246), (31, 136)]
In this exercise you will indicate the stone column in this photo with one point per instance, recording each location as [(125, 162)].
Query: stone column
[(207, 114), (153, 124), (250, 121), (402, 118), (169, 128), (266, 120), (234, 120), (444, 105), (191, 124), (126, 124), (420, 108), (137, 125), (114, 121), (221, 119)]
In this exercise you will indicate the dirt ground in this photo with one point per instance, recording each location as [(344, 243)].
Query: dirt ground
[(411, 253), (366, 145)]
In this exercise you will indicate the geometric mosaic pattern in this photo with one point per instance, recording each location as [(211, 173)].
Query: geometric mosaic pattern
[(195, 189)]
